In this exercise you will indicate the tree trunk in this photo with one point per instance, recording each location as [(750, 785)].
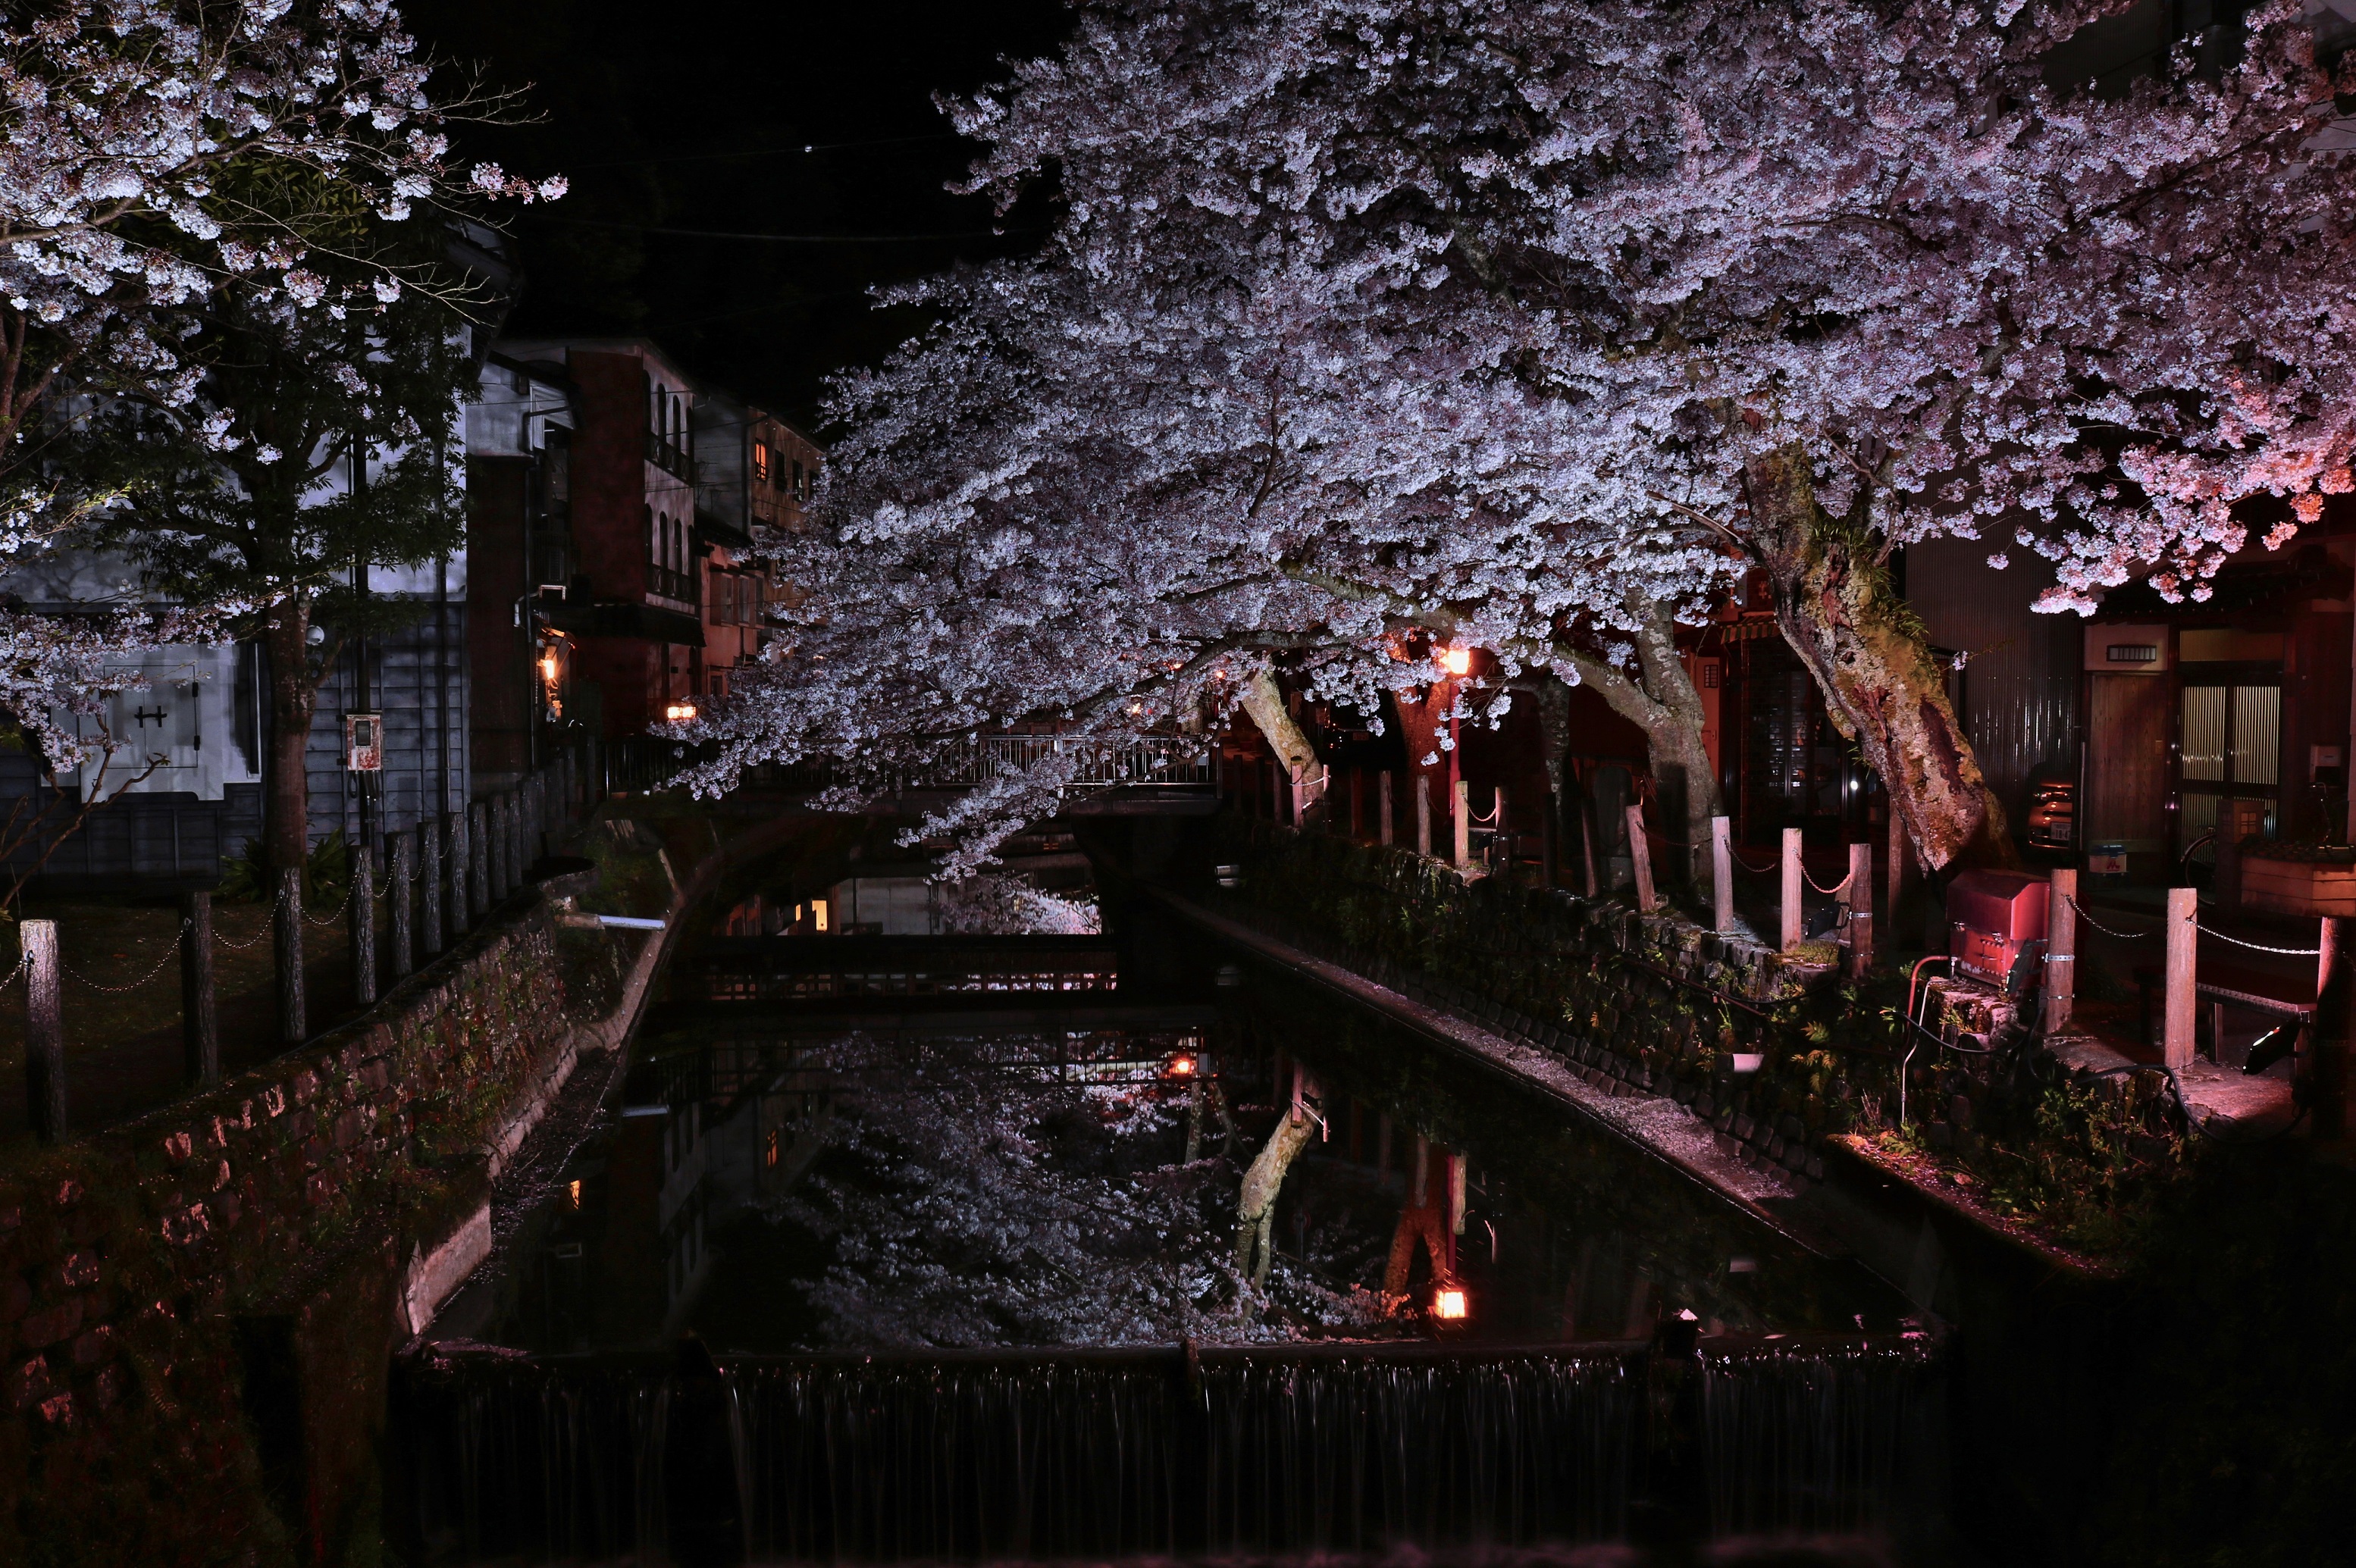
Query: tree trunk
[(293, 696), (1659, 698), (1868, 654), (1263, 700), (1256, 1205)]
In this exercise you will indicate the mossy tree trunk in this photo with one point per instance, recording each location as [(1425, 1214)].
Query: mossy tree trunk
[(1658, 697), (1881, 686), (1264, 703)]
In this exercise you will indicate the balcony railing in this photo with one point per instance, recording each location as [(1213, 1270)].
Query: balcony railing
[(664, 584)]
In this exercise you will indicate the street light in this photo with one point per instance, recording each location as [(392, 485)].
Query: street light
[(1456, 661)]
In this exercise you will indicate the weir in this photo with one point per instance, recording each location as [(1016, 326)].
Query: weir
[(712, 1346), (1056, 1453)]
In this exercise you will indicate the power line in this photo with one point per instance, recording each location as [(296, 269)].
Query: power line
[(783, 239), (804, 148)]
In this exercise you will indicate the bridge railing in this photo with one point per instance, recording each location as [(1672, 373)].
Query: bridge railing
[(1158, 762)]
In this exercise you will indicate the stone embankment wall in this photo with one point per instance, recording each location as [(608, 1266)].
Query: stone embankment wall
[(196, 1309), (1657, 1005)]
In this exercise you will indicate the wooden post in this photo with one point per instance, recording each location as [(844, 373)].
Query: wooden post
[(453, 876), (362, 912), (1383, 806), (498, 843), (519, 848), (404, 879), (1721, 873), (2060, 948), (1274, 790), (1502, 839), (45, 1032), (1460, 810), (287, 924), (1423, 815), (2176, 1044), (429, 884), (478, 861), (1587, 842), (199, 1025), (1857, 892), (2328, 1072), (1794, 882), (1357, 805), (1640, 855)]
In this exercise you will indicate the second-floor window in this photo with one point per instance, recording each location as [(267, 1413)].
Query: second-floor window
[(761, 463)]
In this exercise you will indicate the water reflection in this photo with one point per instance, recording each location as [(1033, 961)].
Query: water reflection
[(877, 1141)]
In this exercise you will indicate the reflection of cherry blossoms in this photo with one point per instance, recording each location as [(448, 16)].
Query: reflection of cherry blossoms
[(967, 1206)]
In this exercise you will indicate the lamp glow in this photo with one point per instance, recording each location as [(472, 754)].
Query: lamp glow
[(548, 668), (1457, 661), (1450, 1304), (1181, 1067), (679, 712)]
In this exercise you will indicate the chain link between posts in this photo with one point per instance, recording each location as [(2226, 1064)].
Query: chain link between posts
[(169, 954)]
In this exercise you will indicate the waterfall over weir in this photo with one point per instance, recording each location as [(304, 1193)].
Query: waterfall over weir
[(901, 1456)]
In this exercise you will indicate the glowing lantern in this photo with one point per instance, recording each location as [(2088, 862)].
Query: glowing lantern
[(1182, 1067), (679, 712), (1456, 661), (1450, 1304)]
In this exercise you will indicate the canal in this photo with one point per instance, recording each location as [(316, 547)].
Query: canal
[(901, 1247)]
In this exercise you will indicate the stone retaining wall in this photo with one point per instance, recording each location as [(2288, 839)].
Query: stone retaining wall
[(186, 1302), (1656, 1004)]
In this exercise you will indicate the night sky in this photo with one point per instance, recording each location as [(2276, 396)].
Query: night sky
[(692, 116)]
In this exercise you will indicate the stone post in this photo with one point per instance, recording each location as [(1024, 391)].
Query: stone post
[(1789, 926), (199, 1025), (2176, 1042), (45, 1032), (1422, 816), (1460, 810), (1721, 874), (2329, 1072), (2060, 948)]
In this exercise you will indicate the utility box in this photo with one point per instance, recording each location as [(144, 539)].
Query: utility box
[(1994, 918), (364, 743)]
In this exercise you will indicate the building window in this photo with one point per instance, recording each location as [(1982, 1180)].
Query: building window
[(761, 463)]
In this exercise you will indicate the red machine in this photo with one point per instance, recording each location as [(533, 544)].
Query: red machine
[(1993, 917)]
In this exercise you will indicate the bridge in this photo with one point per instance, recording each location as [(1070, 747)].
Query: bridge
[(1154, 775)]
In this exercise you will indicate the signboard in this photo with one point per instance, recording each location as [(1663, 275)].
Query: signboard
[(364, 743)]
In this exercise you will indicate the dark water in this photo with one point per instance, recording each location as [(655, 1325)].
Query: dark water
[(894, 1251)]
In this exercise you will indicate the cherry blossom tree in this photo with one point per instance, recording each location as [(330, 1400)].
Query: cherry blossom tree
[(156, 153), (1522, 325), (1823, 280), (276, 176)]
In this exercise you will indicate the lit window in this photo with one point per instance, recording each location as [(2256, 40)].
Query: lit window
[(769, 1150), (761, 462)]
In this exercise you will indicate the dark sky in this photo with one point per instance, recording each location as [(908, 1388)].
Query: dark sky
[(692, 116)]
